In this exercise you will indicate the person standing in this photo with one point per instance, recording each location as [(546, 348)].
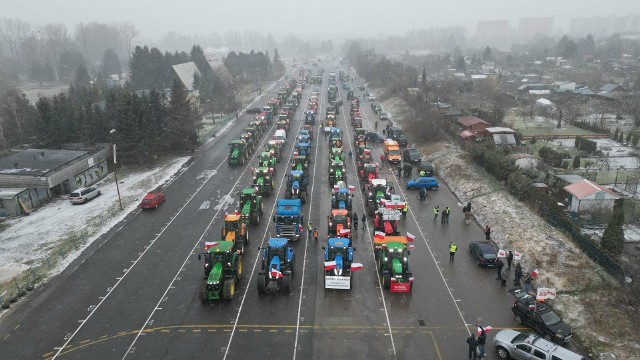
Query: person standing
[(487, 233), (527, 283), (436, 211), (315, 235), (376, 124), (482, 340), (446, 213), (499, 265), (350, 155), (364, 221), (443, 218), (517, 275), (509, 259), (405, 209), (452, 251), (504, 275), (399, 170), (473, 347), (309, 229), (423, 194), (355, 221)]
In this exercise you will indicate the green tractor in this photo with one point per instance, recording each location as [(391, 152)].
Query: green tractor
[(249, 139), (238, 152), (274, 148), (336, 154), (263, 181), (300, 162), (337, 172), (253, 129), (251, 206), (222, 271), (392, 260), (268, 161)]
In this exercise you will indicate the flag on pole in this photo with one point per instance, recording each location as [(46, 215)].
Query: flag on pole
[(502, 253), (355, 266), (410, 237), (517, 256), (535, 273), (485, 328), (352, 188), (209, 244), (330, 265), (378, 235), (545, 293)]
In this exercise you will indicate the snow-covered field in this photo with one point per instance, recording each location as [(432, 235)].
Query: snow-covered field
[(587, 293)]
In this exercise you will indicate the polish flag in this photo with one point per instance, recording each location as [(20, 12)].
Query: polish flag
[(352, 188), (276, 274), (300, 228), (379, 235), (410, 237), (344, 232), (330, 265), (354, 266), (502, 253), (535, 273), (517, 256), (208, 244), (237, 212), (485, 328), (336, 187)]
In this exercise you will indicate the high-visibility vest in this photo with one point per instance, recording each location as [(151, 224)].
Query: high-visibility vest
[(452, 248), (436, 211), (406, 207)]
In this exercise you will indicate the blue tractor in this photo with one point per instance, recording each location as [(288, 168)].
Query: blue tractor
[(297, 182), (341, 199), (289, 219), (278, 260), (338, 264)]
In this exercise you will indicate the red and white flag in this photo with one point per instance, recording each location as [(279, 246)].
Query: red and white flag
[(379, 235), (502, 253), (237, 212), (344, 232), (300, 228), (411, 247), (330, 265), (535, 273), (485, 328), (517, 256), (209, 244), (276, 274), (410, 237), (352, 188), (545, 293), (336, 187), (356, 266)]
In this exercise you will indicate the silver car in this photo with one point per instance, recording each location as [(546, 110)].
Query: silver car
[(510, 344), (82, 195)]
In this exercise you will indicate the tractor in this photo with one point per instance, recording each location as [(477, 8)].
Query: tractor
[(274, 148), (297, 183), (339, 223), (368, 172), (338, 263), (249, 140), (267, 160), (222, 271), (336, 154), (300, 163), (238, 152), (263, 181), (337, 172), (235, 230), (392, 259), (341, 199), (254, 129), (378, 192), (277, 267), (251, 206)]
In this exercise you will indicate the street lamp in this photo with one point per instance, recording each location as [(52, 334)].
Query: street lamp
[(115, 175)]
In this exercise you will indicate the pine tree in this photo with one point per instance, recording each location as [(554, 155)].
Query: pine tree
[(110, 63), (486, 55), (615, 134), (613, 237), (182, 119), (81, 78), (576, 162), (424, 78), (278, 65)]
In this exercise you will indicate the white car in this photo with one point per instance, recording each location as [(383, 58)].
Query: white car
[(372, 97), (82, 195)]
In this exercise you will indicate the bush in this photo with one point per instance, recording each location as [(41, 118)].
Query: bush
[(576, 162), (533, 140), (565, 165), (586, 145), (550, 156), (613, 237)]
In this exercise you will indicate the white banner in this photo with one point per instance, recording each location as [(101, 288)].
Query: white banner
[(337, 282), (546, 293), (389, 214)]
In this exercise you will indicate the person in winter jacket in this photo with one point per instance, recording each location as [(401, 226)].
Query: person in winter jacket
[(517, 275)]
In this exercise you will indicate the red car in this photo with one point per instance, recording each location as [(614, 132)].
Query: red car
[(152, 200)]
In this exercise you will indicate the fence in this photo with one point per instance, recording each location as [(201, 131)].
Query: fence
[(588, 247)]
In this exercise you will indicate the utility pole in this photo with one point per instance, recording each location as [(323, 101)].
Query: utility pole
[(115, 175)]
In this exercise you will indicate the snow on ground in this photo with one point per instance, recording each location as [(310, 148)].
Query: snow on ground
[(29, 239), (587, 291)]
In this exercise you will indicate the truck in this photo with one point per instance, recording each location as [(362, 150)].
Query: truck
[(222, 271), (339, 223), (392, 151), (289, 219), (238, 152), (338, 264), (263, 181), (392, 260), (251, 206), (297, 182), (277, 267)]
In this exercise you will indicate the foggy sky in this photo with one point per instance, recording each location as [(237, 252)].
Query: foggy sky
[(154, 18)]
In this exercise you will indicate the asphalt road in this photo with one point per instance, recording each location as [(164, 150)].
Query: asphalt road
[(133, 294)]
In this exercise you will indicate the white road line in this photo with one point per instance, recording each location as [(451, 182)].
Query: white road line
[(255, 263), (195, 246), (306, 245), (384, 302)]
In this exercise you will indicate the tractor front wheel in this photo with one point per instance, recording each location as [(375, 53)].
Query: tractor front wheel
[(203, 293), (262, 283), (286, 284), (229, 288)]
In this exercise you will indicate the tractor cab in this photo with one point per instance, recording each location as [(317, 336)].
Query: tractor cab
[(339, 223), (300, 163), (263, 181), (268, 161), (341, 199), (303, 149), (274, 149), (336, 154), (359, 132), (249, 141), (369, 172)]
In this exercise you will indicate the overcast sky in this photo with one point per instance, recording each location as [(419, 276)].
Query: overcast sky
[(156, 17)]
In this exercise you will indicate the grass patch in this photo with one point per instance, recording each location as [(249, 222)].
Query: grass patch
[(211, 126)]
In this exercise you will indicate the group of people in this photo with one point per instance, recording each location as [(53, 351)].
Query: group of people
[(444, 219), (476, 346)]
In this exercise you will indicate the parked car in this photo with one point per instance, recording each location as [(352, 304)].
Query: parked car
[(539, 317), (384, 115), (82, 195), (372, 97), (510, 344), (152, 200), (360, 87), (375, 137), (424, 182), (411, 156), (483, 252), (425, 166), (254, 110)]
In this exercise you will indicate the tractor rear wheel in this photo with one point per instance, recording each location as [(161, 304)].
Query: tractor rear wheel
[(238, 268), (202, 292), (386, 279), (228, 289), (262, 283), (286, 284)]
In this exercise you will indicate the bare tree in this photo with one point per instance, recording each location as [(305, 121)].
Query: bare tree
[(126, 33), (55, 38)]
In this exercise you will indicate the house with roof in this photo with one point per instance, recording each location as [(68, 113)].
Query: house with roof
[(585, 196), (186, 72), (473, 124), (535, 89), (612, 88), (502, 135), (220, 69)]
